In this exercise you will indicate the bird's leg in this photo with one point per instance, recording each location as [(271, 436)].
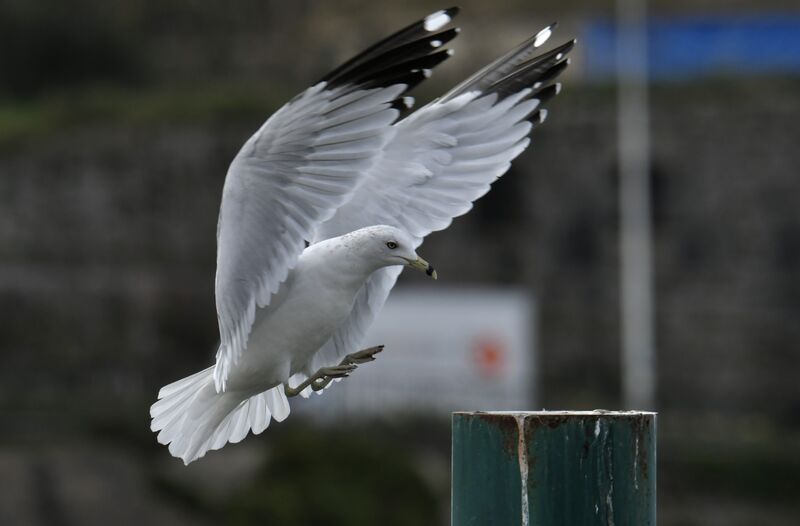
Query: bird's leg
[(322, 378), (351, 360), (321, 383)]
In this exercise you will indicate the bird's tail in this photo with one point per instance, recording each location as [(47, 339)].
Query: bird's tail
[(193, 418)]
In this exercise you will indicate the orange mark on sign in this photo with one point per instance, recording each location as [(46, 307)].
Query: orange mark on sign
[(490, 355)]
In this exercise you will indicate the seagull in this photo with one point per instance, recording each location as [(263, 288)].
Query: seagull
[(324, 206)]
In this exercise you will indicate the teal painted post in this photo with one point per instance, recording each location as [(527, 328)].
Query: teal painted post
[(548, 468)]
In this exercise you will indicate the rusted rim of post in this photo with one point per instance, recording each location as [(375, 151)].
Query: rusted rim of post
[(559, 414)]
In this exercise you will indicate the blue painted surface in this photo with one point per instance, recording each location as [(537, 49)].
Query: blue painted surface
[(681, 48)]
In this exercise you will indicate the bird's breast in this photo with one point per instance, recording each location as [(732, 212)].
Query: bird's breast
[(312, 307)]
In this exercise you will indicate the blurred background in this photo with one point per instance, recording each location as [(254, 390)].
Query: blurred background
[(118, 121)]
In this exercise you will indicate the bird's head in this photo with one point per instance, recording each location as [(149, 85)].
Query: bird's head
[(389, 246)]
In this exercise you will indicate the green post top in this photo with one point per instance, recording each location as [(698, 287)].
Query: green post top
[(554, 468)]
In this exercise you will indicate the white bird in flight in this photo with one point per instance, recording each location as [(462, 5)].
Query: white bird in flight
[(323, 207)]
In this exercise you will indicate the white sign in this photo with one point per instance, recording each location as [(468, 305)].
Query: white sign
[(446, 350)]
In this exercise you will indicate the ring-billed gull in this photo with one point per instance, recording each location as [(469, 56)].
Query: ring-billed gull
[(323, 207)]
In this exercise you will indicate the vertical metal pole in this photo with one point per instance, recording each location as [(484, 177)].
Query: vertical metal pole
[(636, 270), (587, 468)]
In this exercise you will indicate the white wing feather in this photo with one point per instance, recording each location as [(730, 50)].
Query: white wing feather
[(440, 160), (290, 176), (303, 164)]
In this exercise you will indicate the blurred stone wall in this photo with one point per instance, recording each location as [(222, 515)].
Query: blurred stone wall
[(727, 233), (107, 252)]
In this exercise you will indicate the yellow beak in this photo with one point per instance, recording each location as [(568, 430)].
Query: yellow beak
[(423, 266)]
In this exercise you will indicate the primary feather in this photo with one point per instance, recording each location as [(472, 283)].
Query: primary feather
[(331, 162), (303, 164), (440, 160)]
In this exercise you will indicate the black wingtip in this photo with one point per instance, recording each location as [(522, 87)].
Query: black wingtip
[(439, 19), (551, 73), (403, 104), (452, 12), (499, 76), (535, 73), (547, 93), (408, 46)]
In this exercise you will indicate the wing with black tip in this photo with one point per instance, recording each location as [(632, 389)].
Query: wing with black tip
[(441, 159), (302, 165)]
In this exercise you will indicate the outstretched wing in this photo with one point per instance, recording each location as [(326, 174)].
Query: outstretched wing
[(304, 163), (440, 160)]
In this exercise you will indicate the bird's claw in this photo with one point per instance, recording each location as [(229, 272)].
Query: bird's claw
[(364, 356), (326, 375), (337, 371)]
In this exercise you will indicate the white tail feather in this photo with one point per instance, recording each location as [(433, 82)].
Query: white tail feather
[(193, 418)]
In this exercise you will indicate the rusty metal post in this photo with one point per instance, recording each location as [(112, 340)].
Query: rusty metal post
[(549, 468)]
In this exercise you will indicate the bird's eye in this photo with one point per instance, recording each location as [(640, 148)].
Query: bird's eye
[(392, 245)]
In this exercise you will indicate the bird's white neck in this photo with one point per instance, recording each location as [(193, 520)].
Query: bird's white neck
[(340, 262)]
